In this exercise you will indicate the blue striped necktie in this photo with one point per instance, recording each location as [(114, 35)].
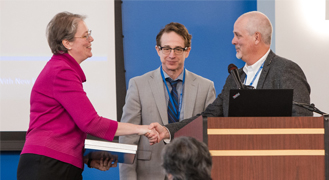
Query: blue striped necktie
[(172, 114)]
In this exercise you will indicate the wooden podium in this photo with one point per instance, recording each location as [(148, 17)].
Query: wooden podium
[(268, 148)]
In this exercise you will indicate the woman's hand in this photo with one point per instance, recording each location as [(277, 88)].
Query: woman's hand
[(104, 164), (101, 160), (153, 136)]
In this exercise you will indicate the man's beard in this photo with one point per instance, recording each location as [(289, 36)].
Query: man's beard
[(238, 55)]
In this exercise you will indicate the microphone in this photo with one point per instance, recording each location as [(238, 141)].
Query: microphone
[(232, 69)]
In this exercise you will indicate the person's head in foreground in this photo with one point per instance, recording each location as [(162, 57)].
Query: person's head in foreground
[(186, 158)]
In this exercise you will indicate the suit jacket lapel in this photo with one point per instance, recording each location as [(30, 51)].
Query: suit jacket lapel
[(242, 74), (156, 85), (190, 94), (265, 70)]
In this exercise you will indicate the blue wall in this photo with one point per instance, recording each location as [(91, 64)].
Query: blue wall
[(211, 26), (8, 165), (209, 22)]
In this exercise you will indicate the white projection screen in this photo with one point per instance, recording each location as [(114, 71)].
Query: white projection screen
[(24, 51)]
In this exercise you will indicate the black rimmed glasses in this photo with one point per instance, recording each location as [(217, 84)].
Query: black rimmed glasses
[(86, 36), (177, 50)]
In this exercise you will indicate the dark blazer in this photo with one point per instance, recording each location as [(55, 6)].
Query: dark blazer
[(277, 73)]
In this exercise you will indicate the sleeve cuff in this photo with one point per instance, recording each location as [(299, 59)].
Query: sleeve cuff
[(167, 141)]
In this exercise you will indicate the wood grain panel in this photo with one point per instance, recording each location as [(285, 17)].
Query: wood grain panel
[(267, 148), (253, 142), (268, 168), (265, 122)]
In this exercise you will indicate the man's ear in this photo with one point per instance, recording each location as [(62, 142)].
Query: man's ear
[(67, 44), (157, 49), (257, 37), (187, 52)]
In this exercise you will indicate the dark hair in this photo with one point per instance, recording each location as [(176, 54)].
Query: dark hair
[(178, 28), (186, 158), (63, 26)]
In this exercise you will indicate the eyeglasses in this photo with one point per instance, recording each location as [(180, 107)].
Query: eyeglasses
[(86, 36), (177, 50)]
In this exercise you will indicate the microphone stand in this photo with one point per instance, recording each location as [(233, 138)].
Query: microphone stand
[(310, 107)]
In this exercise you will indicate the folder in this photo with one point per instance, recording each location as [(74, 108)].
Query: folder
[(125, 153)]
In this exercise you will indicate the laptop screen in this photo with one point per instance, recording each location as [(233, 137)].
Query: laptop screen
[(260, 102)]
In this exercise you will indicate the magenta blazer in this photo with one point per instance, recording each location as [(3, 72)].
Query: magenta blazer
[(62, 115)]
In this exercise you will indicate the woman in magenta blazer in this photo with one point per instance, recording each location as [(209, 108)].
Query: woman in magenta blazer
[(61, 114)]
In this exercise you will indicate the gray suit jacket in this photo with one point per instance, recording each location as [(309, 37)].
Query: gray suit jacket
[(277, 73), (145, 104)]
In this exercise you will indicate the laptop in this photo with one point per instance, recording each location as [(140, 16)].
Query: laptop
[(260, 102)]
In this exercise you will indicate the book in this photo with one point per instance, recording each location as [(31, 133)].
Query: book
[(125, 153)]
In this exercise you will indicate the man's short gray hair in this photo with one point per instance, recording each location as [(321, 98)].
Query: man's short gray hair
[(259, 22)]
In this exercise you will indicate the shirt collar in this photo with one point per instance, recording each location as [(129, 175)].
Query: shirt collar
[(180, 77), (72, 63), (255, 66)]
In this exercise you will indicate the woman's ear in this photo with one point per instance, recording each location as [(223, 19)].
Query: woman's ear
[(67, 44)]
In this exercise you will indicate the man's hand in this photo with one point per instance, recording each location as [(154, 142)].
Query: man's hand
[(163, 133)]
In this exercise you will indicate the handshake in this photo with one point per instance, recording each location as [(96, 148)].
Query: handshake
[(104, 161), (155, 132)]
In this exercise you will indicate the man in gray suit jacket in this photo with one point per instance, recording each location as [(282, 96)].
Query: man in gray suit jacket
[(263, 70), (148, 95)]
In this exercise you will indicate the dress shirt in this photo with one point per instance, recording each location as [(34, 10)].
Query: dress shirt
[(252, 70), (179, 88)]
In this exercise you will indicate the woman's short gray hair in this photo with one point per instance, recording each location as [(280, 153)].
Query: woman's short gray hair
[(63, 26)]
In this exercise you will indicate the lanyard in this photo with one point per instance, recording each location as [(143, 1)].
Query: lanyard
[(252, 82), (170, 97)]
